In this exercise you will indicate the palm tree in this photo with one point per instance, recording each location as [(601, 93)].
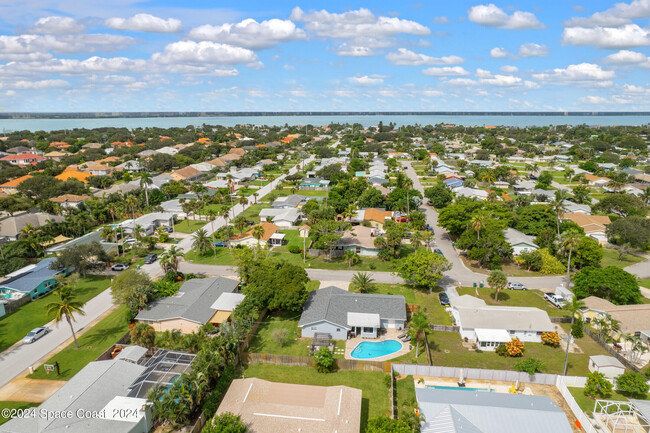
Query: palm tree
[(258, 233), (64, 308), (240, 223), (477, 225), (498, 281), (362, 282), (255, 195), (108, 232), (169, 259), (351, 257), (408, 184), (201, 241), (350, 212), (559, 206), (419, 325), (569, 239), (113, 210), (417, 237), (573, 307), (243, 201), (137, 231), (212, 214), (145, 181), (27, 231)]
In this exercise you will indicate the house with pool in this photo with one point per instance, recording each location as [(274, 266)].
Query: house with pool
[(490, 326), (340, 313)]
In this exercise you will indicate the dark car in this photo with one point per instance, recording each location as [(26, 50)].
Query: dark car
[(220, 244), (250, 222), (150, 259), (444, 299), (437, 251)]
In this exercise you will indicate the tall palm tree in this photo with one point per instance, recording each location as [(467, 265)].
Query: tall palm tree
[(212, 214), (27, 231), (419, 326), (240, 223), (258, 233), (417, 237), (113, 210), (559, 206), (573, 307), (108, 232), (569, 240), (350, 212), (201, 241), (64, 308), (145, 182), (362, 282), (137, 231), (408, 184), (131, 203), (477, 225), (169, 259)]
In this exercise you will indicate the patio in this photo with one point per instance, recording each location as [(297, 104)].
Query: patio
[(387, 334)]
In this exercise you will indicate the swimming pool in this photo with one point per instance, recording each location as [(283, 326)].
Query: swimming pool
[(458, 388), (369, 349)]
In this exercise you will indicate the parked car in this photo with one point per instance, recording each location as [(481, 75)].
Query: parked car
[(444, 299), (35, 334), (167, 229), (119, 267), (129, 241), (554, 299), (517, 286), (437, 251), (250, 222), (220, 244), (150, 259)]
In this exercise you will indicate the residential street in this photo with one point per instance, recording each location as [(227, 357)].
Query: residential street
[(14, 362)]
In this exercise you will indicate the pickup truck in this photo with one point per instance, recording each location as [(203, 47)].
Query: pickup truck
[(554, 299)]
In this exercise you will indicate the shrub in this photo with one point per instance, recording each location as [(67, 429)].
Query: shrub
[(295, 249), (515, 348), (213, 399), (501, 350), (227, 422), (551, 339), (577, 329), (633, 383), (550, 263), (280, 335), (324, 360), (597, 386), (530, 365)]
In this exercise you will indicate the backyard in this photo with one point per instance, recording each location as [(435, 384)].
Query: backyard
[(91, 344), (515, 298), (587, 403), (16, 325), (374, 387)]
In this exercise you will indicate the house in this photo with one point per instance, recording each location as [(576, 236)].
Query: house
[(131, 166), (269, 407), (464, 191), (118, 188), (608, 365), (70, 200), (33, 280), (73, 174), (158, 181), (23, 159), (55, 155), (303, 231), (595, 226), (359, 239), (596, 180), (11, 226), (377, 217), (194, 305), (224, 306), (290, 201), (520, 242), (453, 182), (149, 222), (282, 217), (88, 238), (99, 169), (314, 183), (571, 207), (491, 326), (218, 162), (632, 319), (248, 239), (457, 410), (338, 312), (188, 173), (11, 187)]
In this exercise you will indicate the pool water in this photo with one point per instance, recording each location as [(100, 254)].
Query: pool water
[(458, 388), (369, 349)]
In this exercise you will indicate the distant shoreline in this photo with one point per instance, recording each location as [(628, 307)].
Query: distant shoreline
[(111, 115)]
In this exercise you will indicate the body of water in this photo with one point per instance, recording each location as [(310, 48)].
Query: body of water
[(7, 125)]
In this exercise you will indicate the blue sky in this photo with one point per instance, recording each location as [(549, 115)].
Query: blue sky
[(126, 55)]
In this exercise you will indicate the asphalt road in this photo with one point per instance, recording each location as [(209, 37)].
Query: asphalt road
[(15, 361)]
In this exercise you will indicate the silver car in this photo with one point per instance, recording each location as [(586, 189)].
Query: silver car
[(35, 334), (516, 286)]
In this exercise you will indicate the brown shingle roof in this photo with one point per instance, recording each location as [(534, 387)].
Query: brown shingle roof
[(593, 222), (186, 172), (70, 198)]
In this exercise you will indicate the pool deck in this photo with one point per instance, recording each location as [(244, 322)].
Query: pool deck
[(497, 386), (391, 334)]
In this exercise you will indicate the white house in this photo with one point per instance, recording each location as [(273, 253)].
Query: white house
[(520, 242), (608, 365), (491, 326)]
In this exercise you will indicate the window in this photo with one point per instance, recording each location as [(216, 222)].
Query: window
[(338, 329), (368, 329)]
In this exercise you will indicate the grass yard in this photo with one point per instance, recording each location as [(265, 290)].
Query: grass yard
[(253, 211), (16, 325), (293, 238), (405, 395), (515, 298), (645, 283), (189, 226), (293, 344), (91, 344), (587, 403), (610, 258), (426, 301), (510, 268), (224, 257), (375, 390), (140, 260), (14, 405), (260, 183)]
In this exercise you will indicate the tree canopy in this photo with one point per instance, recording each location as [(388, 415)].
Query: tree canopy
[(424, 268), (611, 283)]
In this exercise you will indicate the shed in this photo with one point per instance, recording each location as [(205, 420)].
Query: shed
[(608, 365)]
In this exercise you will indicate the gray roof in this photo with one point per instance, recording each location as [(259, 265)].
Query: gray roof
[(90, 389), (508, 318), (332, 304), (192, 302), (119, 188), (550, 193), (292, 200), (32, 277), (606, 361), (12, 225), (643, 407), (452, 411), (515, 237), (88, 238)]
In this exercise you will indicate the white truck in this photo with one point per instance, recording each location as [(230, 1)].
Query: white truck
[(554, 299)]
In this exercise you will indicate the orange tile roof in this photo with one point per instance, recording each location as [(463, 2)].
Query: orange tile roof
[(73, 174), (377, 215), (592, 177), (269, 229), (15, 182), (70, 198)]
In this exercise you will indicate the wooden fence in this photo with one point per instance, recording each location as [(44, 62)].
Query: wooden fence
[(562, 319), (445, 328), (14, 304), (611, 350), (126, 338), (308, 361)]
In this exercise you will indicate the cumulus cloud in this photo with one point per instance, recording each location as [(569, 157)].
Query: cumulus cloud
[(583, 73), (628, 58), (621, 13), (531, 49), (498, 53), (493, 16), (43, 84), (346, 49), (591, 99), (144, 23), (30, 44), (509, 69), (627, 36), (406, 57), (249, 33), (446, 71), (191, 52), (56, 25), (367, 80), (502, 80)]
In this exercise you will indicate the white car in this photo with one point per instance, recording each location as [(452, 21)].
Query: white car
[(118, 267), (554, 299), (35, 334), (516, 286)]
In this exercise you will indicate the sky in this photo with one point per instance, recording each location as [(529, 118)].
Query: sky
[(462, 55)]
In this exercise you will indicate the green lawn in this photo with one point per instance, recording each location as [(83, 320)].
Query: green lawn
[(260, 182), (405, 395), (515, 298), (587, 403), (289, 190), (18, 405), (292, 237), (224, 257), (645, 283), (375, 392), (16, 325), (189, 226), (91, 344), (427, 301), (610, 258), (294, 345)]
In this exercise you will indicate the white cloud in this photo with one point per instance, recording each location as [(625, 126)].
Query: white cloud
[(593, 100), (441, 20), (445, 71), (461, 82), (145, 23), (203, 52), (621, 13), (493, 16), (349, 50), (249, 33), (57, 26), (633, 89), (583, 73), (509, 69), (406, 57), (630, 35), (344, 93), (367, 80), (628, 58), (531, 49), (43, 84), (430, 93), (498, 53), (501, 80), (30, 44)]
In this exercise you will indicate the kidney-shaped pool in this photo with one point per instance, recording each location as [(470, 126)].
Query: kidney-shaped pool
[(369, 349)]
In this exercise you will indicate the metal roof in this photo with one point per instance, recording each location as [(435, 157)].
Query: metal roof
[(508, 318), (228, 301), (31, 277)]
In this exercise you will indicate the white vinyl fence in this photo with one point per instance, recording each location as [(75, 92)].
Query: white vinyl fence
[(561, 385), (474, 373)]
